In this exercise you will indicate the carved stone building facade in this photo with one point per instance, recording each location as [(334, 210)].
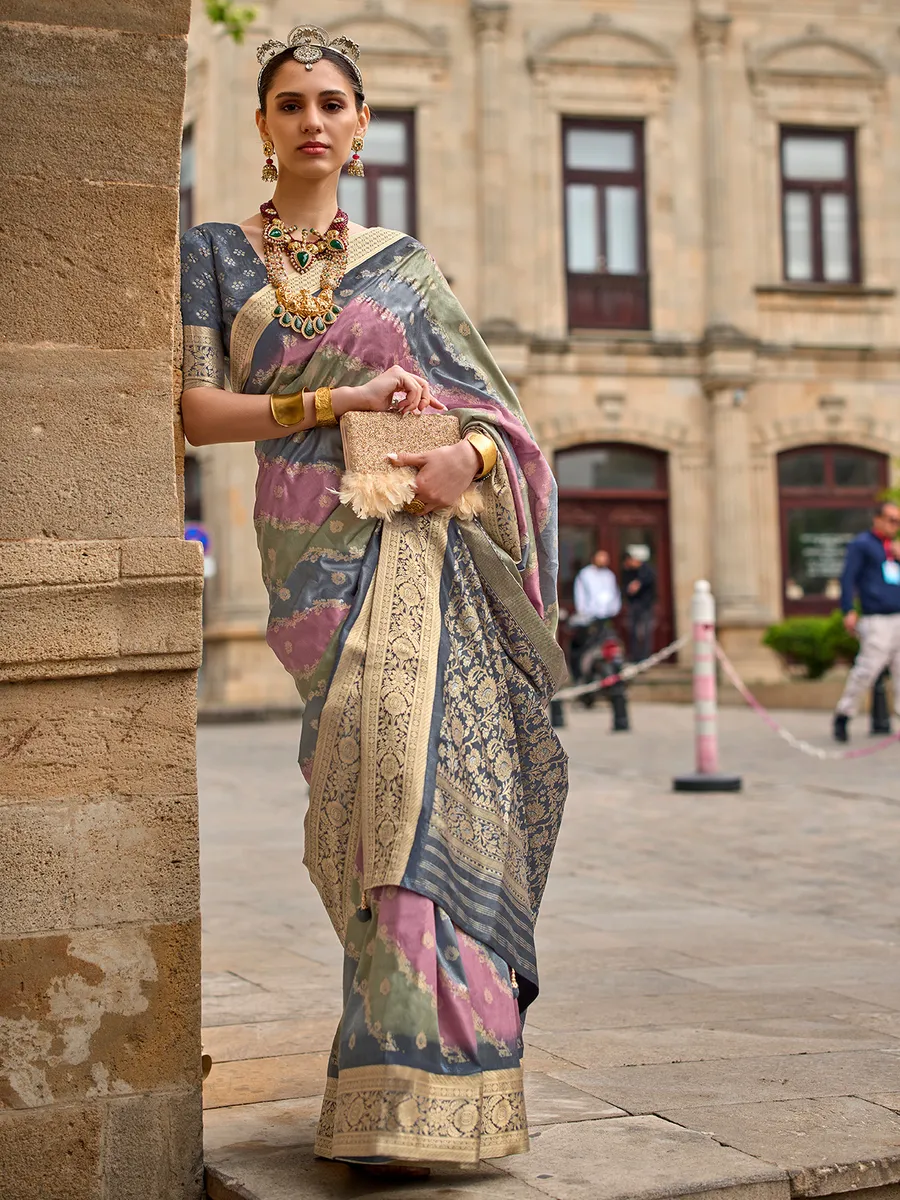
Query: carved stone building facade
[(671, 219)]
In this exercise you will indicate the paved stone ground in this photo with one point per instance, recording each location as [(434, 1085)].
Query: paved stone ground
[(720, 1012)]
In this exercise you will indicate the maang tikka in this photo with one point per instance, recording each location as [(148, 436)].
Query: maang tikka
[(269, 171), (356, 167)]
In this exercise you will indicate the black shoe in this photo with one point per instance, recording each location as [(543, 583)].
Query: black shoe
[(841, 733)]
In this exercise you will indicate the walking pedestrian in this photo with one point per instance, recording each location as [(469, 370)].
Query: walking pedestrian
[(871, 572), (597, 600), (639, 586), (423, 646)]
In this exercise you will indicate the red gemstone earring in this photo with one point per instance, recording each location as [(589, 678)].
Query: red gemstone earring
[(356, 167), (269, 171)]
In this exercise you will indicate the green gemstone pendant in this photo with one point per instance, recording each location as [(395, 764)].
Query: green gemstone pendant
[(336, 244), (303, 257), (319, 325), (298, 324), (278, 310), (286, 320), (308, 330)]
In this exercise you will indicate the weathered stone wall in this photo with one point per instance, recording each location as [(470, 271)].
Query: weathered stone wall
[(99, 615)]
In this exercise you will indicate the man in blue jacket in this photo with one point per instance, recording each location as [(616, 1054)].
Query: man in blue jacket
[(872, 572)]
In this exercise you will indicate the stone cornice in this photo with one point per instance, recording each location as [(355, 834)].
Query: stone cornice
[(626, 49), (782, 62), (399, 36)]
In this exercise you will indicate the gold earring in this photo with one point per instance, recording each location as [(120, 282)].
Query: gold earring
[(269, 171), (356, 167)]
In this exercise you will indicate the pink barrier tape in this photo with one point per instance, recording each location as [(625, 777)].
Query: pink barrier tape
[(785, 734), (629, 672)]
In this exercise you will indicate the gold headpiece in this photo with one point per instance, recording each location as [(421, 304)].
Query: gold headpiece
[(308, 42)]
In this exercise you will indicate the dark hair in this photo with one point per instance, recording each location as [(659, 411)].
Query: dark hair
[(344, 65)]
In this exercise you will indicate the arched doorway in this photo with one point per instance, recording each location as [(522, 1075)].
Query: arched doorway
[(611, 496), (825, 498)]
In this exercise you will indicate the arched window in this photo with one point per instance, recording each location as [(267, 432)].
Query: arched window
[(826, 495)]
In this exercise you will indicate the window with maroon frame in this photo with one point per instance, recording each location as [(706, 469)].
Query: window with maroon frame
[(605, 222), (820, 217), (826, 494), (387, 194)]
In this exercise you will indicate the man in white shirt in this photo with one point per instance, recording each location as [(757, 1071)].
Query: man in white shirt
[(597, 598)]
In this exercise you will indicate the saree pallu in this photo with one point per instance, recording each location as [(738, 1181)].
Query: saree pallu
[(424, 649)]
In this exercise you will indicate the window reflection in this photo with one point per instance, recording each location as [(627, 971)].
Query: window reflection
[(616, 468)]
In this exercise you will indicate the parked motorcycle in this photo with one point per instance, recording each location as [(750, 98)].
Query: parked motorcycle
[(601, 656)]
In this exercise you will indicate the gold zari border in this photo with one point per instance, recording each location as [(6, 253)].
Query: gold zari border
[(405, 1113), (203, 362), (388, 670)]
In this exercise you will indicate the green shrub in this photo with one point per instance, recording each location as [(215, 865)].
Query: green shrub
[(813, 643)]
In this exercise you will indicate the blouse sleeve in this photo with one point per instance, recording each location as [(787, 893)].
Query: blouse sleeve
[(201, 313)]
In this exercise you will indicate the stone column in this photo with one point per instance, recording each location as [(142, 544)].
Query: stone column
[(495, 311), (734, 546), (729, 358), (711, 29), (99, 617)]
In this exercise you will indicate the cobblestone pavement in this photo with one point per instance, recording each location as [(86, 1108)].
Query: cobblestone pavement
[(720, 1009)]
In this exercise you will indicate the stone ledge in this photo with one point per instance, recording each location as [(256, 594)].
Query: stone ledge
[(87, 608), (46, 561)]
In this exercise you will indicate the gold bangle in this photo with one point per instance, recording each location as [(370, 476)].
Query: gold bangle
[(486, 449), (288, 410), (324, 410)]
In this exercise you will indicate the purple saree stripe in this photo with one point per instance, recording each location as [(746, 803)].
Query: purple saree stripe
[(468, 983), (304, 494), (301, 640)]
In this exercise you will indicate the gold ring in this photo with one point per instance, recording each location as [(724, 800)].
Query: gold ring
[(415, 507)]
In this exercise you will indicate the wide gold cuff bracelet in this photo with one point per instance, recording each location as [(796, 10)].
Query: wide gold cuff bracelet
[(486, 449), (324, 410), (288, 410)]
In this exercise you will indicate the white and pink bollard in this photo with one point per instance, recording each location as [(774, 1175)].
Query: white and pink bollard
[(707, 777)]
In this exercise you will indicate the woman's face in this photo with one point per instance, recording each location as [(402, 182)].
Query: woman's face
[(311, 117)]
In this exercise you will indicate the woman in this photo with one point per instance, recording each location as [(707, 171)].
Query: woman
[(423, 646)]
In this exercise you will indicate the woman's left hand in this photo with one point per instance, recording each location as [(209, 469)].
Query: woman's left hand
[(443, 474)]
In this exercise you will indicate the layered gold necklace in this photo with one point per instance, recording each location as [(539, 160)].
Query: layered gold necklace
[(297, 307)]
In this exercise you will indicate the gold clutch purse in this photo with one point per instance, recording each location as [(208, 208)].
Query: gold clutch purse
[(374, 488)]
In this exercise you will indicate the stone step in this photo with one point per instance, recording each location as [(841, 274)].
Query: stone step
[(584, 1148)]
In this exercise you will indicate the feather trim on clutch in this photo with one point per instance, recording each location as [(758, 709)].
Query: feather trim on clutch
[(373, 488)]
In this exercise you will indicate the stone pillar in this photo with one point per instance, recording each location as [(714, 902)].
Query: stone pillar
[(99, 617), (734, 547), (711, 29), (495, 313), (728, 363)]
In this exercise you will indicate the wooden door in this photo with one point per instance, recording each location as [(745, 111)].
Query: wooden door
[(587, 525)]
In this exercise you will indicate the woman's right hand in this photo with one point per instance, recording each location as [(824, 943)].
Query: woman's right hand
[(378, 395)]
